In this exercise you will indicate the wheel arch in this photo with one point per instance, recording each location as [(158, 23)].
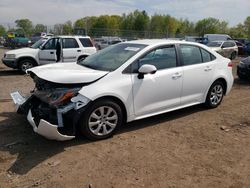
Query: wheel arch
[(223, 81), (118, 101), (26, 57)]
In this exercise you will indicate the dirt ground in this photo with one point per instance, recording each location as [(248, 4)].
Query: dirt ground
[(192, 147)]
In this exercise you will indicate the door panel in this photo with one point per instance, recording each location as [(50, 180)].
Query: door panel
[(48, 53), (157, 92), (198, 69), (71, 50), (196, 80)]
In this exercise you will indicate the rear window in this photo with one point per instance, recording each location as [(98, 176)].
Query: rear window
[(86, 42)]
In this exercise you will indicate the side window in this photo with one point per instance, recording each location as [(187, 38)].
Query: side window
[(51, 44), (190, 54), (206, 56), (86, 42), (161, 58), (70, 43), (228, 44)]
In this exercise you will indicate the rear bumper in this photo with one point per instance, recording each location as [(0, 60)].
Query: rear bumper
[(44, 128), (12, 63)]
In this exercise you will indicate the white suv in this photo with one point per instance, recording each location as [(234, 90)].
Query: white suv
[(122, 83), (52, 50)]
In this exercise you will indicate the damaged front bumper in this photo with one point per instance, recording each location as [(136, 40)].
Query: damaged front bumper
[(44, 128), (47, 129)]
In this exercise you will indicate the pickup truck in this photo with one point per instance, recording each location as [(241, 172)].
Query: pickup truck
[(50, 50)]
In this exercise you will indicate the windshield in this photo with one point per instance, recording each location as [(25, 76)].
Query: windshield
[(38, 43), (112, 57), (214, 44)]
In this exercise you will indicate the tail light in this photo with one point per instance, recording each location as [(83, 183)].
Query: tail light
[(230, 64)]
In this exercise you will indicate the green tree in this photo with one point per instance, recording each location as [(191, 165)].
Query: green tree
[(67, 28), (247, 26), (25, 25), (2, 30), (238, 31), (40, 28), (185, 27), (207, 25)]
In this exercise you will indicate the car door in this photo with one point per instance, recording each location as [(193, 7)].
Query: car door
[(47, 54), (71, 50), (198, 68), (227, 48), (157, 92), (87, 46)]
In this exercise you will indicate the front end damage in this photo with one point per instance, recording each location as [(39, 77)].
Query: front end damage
[(53, 110)]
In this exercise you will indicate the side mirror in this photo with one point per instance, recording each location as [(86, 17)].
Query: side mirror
[(146, 69)]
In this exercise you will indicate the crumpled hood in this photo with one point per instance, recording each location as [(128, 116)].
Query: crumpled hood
[(67, 73), (21, 51)]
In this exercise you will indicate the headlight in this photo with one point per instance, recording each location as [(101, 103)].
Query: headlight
[(10, 56), (57, 97)]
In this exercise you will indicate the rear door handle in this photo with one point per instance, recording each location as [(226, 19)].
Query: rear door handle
[(78, 50), (208, 68), (176, 75), (51, 52)]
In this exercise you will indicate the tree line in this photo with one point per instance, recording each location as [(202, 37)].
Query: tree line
[(139, 24)]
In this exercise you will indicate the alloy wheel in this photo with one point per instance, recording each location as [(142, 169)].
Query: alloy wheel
[(103, 120), (216, 95)]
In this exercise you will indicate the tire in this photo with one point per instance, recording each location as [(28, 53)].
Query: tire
[(25, 65), (101, 120), (233, 55), (215, 95)]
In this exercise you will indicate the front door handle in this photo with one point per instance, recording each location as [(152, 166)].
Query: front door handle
[(176, 75), (51, 52), (78, 50)]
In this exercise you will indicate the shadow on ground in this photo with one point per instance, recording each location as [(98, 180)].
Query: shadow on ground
[(18, 138), (10, 72)]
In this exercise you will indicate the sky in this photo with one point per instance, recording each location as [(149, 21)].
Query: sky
[(50, 12)]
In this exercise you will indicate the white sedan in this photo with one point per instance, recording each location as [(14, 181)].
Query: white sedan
[(122, 83)]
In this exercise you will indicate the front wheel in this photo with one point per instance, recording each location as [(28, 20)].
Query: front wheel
[(25, 65), (101, 120), (215, 95)]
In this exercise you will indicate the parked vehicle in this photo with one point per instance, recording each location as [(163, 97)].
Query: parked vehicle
[(227, 49), (14, 40), (37, 36), (55, 49), (243, 68), (215, 37), (247, 49), (194, 39), (241, 48), (122, 83)]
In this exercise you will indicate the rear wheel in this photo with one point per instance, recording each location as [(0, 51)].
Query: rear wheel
[(26, 64), (215, 95), (101, 120)]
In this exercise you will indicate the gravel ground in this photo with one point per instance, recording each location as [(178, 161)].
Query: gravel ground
[(192, 147)]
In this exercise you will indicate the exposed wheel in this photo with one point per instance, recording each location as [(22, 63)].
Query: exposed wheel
[(233, 55), (25, 65), (101, 120), (215, 95)]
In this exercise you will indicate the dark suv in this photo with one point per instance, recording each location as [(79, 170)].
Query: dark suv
[(243, 69)]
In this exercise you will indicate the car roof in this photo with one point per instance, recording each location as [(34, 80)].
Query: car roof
[(70, 36), (160, 42)]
